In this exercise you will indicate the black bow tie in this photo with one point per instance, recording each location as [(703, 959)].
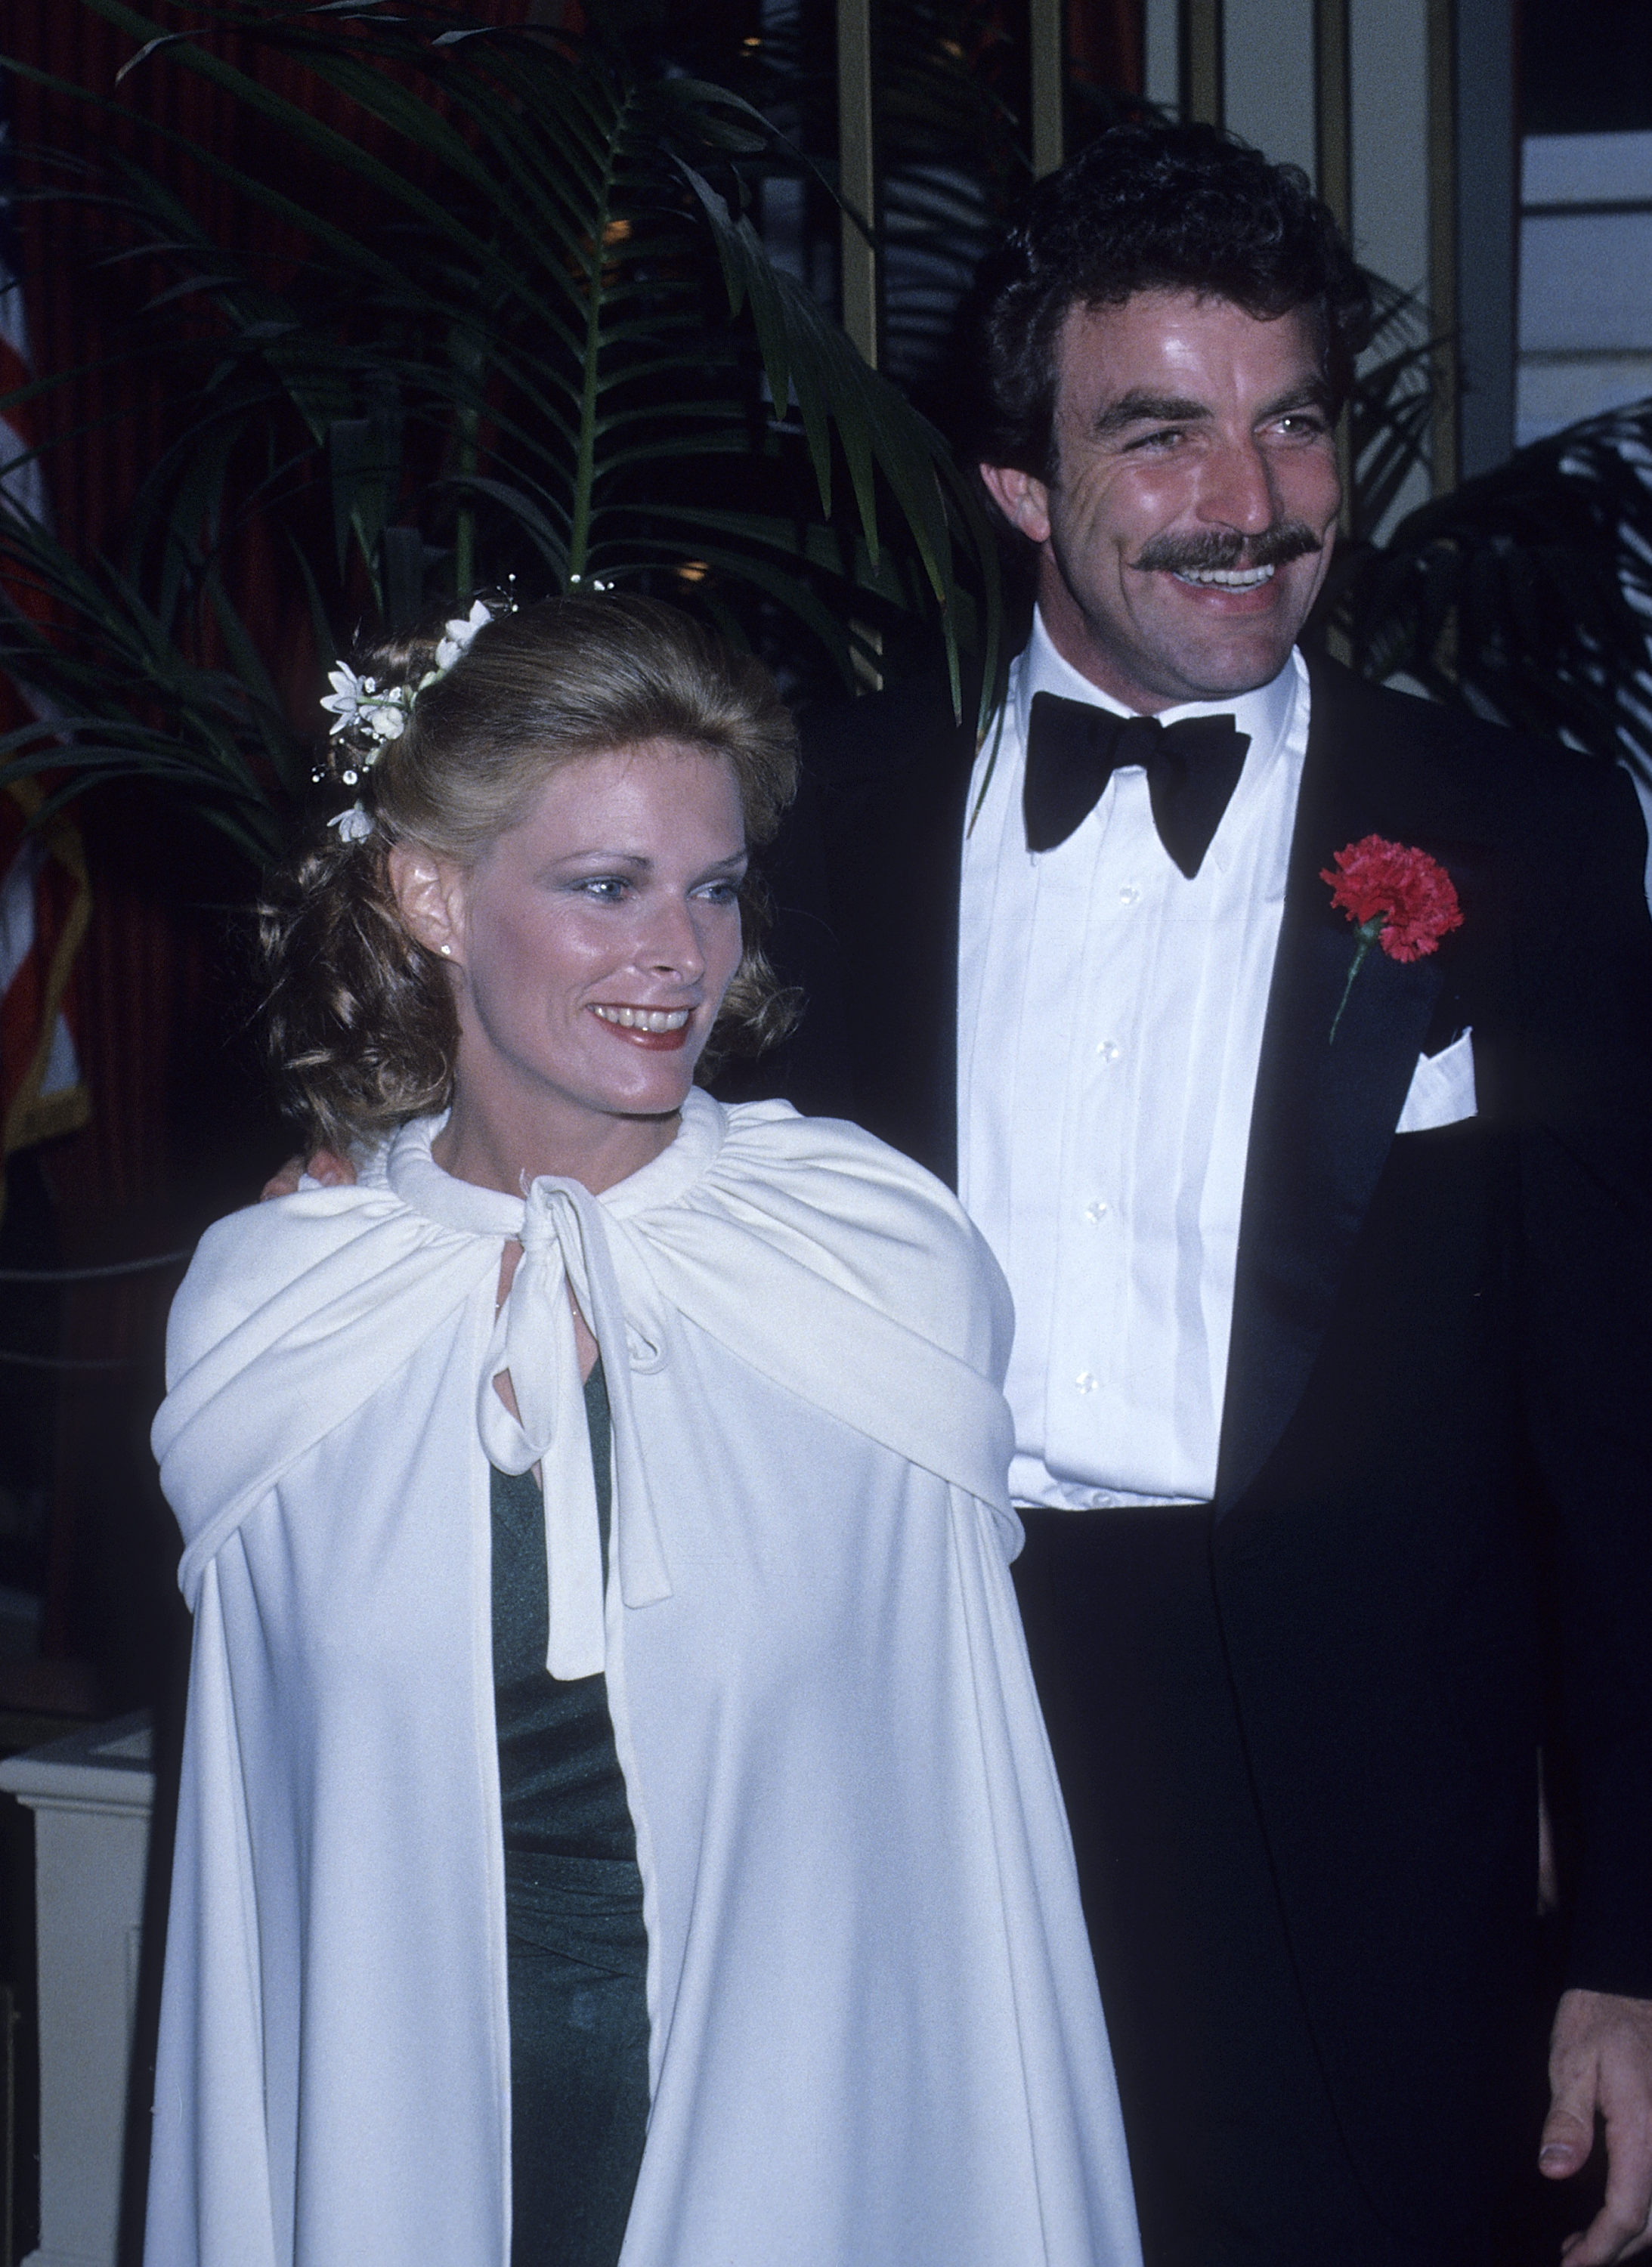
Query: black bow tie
[(1073, 750)]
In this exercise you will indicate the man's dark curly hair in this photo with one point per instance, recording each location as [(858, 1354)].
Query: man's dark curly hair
[(1148, 208)]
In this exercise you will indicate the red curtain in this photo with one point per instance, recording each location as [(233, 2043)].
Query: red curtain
[(174, 1131)]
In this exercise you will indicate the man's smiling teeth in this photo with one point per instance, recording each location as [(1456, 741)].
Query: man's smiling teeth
[(646, 1019), (1226, 578)]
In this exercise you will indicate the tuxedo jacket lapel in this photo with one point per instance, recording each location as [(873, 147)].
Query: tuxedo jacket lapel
[(1325, 1113)]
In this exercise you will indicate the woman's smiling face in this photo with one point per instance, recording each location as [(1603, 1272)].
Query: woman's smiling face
[(591, 945)]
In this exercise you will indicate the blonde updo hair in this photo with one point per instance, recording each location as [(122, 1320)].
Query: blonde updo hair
[(360, 1024)]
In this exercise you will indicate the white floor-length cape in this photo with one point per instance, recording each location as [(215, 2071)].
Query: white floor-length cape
[(876, 2038)]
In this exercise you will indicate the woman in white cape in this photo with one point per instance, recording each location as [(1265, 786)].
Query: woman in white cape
[(616, 1822)]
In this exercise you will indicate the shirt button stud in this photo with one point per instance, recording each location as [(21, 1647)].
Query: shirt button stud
[(1109, 1050), (1085, 1383), (1097, 1212), (1128, 894)]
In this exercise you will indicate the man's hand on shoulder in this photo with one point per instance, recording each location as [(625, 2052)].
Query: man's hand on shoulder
[(1600, 2058), (332, 1172)]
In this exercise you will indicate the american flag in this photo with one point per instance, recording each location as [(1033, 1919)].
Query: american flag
[(44, 900)]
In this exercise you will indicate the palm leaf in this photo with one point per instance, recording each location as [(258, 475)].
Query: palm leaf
[(534, 329), (1526, 593)]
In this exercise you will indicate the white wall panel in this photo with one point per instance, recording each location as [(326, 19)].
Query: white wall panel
[(1162, 53), (1388, 70), (1586, 281), (1268, 64), (1580, 168)]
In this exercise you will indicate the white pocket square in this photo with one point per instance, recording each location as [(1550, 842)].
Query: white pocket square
[(1442, 1088)]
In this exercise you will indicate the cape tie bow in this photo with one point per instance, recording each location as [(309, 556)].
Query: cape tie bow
[(564, 1247), (1074, 749)]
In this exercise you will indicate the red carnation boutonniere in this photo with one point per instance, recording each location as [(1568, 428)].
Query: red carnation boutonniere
[(1398, 897)]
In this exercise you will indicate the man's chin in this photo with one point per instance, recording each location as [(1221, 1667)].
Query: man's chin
[(1236, 655), (1177, 647), (1224, 672)]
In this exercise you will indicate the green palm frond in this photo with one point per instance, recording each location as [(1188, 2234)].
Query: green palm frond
[(115, 698), (497, 309), (1390, 410), (1526, 593)]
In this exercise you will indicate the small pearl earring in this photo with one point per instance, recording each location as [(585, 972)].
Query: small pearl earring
[(447, 951)]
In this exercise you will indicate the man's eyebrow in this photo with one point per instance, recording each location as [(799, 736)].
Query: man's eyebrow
[(1139, 408), (1312, 393)]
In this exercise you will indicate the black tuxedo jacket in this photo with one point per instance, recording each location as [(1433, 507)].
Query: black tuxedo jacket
[(1434, 1489)]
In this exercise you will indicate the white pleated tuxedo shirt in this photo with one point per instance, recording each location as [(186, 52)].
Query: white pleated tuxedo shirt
[(1110, 1025)]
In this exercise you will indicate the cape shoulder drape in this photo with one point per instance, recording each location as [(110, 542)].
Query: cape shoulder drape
[(876, 2037)]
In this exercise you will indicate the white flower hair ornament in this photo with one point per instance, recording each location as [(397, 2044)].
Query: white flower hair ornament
[(359, 704), (354, 825), (457, 638), (381, 713)]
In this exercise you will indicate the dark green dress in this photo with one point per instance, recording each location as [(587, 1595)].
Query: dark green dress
[(576, 1951)]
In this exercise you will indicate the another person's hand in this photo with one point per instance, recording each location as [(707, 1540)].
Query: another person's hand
[(332, 1172), (1600, 2058)]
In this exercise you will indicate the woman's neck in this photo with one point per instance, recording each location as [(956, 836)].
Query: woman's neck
[(506, 1150)]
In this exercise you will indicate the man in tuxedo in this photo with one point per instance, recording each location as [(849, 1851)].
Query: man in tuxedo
[(1332, 1283)]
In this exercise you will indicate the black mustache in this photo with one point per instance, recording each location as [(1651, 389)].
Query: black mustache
[(1224, 550)]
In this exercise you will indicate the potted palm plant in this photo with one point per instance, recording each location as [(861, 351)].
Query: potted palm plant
[(467, 306)]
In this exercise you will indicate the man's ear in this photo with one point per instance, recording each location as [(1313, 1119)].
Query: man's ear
[(429, 897), (1024, 502)]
